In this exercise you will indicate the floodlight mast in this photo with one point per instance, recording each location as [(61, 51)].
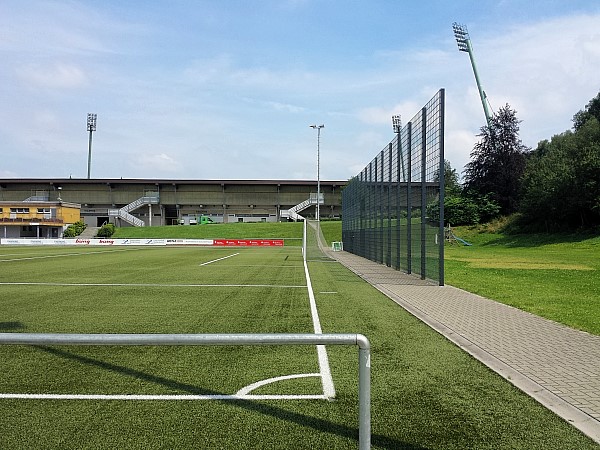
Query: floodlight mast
[(318, 209), (397, 125), (91, 127), (464, 45)]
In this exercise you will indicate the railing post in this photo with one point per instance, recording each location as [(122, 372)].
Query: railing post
[(364, 392), (364, 353)]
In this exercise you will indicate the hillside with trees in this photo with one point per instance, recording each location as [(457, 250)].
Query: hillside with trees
[(555, 187)]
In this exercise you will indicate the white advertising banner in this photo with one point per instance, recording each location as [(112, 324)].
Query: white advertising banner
[(129, 242), (105, 241)]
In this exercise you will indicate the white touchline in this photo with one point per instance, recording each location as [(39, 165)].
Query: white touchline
[(327, 379), (159, 397), (27, 258), (219, 259), (151, 285)]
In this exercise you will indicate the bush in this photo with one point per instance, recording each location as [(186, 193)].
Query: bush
[(75, 229), (465, 210), (106, 230)]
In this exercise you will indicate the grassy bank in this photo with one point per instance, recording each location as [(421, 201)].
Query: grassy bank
[(553, 276), (290, 231)]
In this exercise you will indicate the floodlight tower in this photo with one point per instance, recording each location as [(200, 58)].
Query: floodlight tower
[(397, 124), (464, 45), (91, 127), (318, 209)]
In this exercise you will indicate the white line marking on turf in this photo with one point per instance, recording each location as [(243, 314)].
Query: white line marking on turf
[(25, 283), (158, 397), (67, 254), (326, 378), (246, 390), (219, 259)]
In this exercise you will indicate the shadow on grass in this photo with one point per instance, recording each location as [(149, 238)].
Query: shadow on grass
[(9, 326), (273, 411), (537, 240)]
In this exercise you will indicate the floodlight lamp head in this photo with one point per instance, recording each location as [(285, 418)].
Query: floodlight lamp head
[(462, 36), (397, 123), (317, 127), (91, 122)]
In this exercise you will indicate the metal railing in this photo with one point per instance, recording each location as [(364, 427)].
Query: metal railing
[(364, 353)]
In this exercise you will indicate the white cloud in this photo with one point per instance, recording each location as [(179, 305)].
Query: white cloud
[(381, 115), (286, 107), (227, 101), (156, 163), (54, 76)]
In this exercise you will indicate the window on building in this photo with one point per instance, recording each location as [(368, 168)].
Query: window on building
[(19, 210), (44, 210)]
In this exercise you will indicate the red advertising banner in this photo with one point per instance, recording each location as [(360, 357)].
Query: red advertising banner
[(248, 242)]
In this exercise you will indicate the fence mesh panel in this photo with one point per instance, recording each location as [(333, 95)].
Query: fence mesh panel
[(386, 207)]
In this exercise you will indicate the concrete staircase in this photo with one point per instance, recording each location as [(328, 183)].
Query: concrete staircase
[(89, 233), (150, 198), (292, 213)]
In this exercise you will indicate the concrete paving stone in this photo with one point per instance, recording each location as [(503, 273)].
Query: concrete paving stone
[(556, 365)]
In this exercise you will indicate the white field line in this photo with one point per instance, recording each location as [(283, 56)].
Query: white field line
[(278, 266), (326, 378), (246, 390), (28, 258), (25, 283), (218, 259), (242, 394), (158, 397)]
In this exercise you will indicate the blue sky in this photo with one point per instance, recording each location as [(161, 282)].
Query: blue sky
[(227, 89)]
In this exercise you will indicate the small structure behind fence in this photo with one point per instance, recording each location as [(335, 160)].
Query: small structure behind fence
[(387, 209)]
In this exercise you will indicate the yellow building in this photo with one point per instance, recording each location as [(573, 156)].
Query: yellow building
[(37, 219)]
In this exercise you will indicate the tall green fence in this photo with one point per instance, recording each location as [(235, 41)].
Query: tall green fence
[(386, 208)]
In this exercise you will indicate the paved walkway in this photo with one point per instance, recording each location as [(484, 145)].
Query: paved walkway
[(556, 365)]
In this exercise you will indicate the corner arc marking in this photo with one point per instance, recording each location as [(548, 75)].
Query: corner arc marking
[(246, 390)]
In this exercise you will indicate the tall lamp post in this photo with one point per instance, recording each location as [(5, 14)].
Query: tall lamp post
[(464, 45), (397, 125), (91, 127), (318, 210)]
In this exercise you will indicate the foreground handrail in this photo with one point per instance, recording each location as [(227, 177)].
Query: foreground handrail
[(364, 353)]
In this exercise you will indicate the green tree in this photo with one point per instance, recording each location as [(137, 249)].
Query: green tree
[(592, 109), (461, 207), (561, 185), (498, 162), (452, 184)]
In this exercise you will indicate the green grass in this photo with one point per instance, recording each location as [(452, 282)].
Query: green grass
[(553, 276), (332, 230), (290, 231), (426, 392)]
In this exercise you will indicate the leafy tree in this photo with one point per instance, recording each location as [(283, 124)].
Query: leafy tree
[(498, 162), (561, 185), (460, 207), (451, 182), (592, 109)]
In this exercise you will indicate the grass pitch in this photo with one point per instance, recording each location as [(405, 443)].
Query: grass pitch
[(426, 393)]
